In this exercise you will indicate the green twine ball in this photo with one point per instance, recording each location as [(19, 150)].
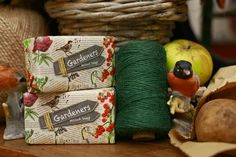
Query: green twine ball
[(141, 89)]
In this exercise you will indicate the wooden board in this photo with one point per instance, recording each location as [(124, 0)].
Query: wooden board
[(18, 148)]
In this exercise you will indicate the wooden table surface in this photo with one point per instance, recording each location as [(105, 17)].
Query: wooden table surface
[(18, 148)]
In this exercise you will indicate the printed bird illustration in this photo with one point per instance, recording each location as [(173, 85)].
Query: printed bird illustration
[(66, 48), (184, 84), (52, 103), (60, 131), (14, 84), (95, 79), (86, 133)]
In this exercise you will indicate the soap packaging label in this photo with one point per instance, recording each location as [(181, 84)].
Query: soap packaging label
[(76, 117), (69, 63)]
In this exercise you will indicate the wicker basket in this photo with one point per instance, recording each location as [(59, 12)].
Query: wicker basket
[(123, 19)]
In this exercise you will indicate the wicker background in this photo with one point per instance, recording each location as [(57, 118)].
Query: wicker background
[(123, 19), (17, 24)]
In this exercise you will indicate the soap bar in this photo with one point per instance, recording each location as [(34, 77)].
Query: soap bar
[(69, 63), (76, 117)]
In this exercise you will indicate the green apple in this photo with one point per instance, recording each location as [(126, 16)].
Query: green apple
[(193, 52)]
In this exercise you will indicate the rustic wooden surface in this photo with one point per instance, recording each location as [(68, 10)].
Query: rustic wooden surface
[(18, 148)]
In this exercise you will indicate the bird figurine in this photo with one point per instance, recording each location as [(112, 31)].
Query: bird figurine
[(8, 77), (52, 103), (14, 84), (66, 48), (184, 84)]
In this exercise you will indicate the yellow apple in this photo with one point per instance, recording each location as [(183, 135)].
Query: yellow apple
[(193, 52)]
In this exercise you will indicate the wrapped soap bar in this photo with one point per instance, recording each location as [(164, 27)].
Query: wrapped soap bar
[(69, 63), (76, 117)]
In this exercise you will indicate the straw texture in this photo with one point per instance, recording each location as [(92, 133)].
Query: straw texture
[(17, 24)]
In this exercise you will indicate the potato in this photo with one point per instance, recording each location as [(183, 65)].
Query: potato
[(216, 121)]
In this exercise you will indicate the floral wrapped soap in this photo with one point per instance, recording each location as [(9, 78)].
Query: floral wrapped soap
[(69, 63), (76, 117)]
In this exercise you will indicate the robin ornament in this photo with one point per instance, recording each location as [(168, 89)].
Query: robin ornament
[(183, 84), (14, 84)]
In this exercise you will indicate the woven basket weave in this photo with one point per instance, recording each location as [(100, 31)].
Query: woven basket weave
[(17, 24), (124, 19)]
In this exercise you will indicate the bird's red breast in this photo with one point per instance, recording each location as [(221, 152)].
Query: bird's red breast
[(7, 78), (187, 87)]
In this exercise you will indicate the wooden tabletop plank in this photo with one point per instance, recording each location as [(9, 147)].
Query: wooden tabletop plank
[(18, 148)]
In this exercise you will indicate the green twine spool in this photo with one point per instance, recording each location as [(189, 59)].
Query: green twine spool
[(141, 90)]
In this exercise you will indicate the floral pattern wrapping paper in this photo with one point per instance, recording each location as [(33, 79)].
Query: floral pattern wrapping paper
[(69, 63), (76, 117)]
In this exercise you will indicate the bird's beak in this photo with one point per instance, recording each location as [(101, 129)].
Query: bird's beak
[(187, 72)]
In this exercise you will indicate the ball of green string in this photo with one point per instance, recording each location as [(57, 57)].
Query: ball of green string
[(141, 89)]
